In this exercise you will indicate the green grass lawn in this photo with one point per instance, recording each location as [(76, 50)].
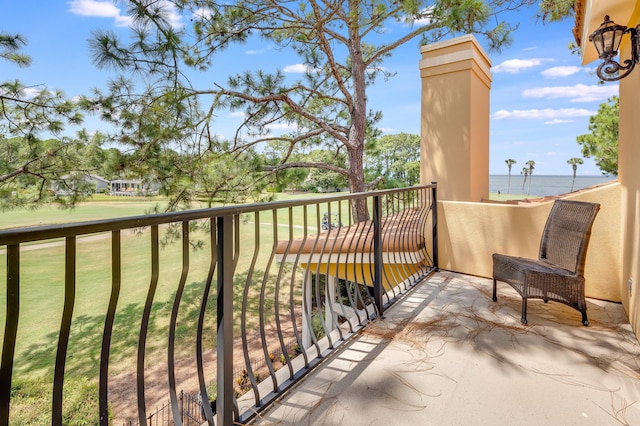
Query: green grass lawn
[(42, 298), (93, 210), (102, 207), (42, 286)]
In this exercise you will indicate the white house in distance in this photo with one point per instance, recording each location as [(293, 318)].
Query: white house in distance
[(132, 187), (67, 184), (90, 184)]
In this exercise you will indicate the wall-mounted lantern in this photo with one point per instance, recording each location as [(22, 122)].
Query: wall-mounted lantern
[(607, 39)]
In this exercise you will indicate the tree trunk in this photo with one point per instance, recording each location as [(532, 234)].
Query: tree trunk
[(357, 130), (356, 184)]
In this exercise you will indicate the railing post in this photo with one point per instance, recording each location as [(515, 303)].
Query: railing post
[(377, 254), (225, 395), (434, 223), (10, 330)]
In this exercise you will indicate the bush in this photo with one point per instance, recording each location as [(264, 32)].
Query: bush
[(316, 324)]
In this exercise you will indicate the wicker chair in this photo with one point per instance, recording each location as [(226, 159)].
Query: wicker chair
[(558, 273)]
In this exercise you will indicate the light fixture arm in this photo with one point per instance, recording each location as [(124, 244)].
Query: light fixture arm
[(606, 40), (610, 70)]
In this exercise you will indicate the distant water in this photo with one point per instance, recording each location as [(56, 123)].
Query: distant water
[(544, 185)]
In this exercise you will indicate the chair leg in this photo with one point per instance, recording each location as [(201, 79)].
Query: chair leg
[(495, 298), (585, 321), (524, 311)]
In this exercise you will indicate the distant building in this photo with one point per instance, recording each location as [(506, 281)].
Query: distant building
[(132, 187), (84, 182)]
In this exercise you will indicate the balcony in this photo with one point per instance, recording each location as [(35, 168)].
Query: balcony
[(445, 354), (293, 313), (233, 304)]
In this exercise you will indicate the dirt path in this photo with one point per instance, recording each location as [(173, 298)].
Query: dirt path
[(122, 388)]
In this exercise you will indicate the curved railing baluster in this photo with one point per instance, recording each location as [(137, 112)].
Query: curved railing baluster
[(296, 262), (334, 280), (326, 329), (65, 328), (283, 347), (244, 311), (144, 324), (307, 308), (116, 277), (171, 363), (204, 394), (263, 288)]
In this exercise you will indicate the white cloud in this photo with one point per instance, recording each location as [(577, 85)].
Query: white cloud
[(562, 71), (296, 69), (30, 92), (259, 51), (514, 66), (558, 121), (25, 92), (202, 13), (237, 114), (102, 9), (547, 113), (377, 69), (425, 18), (107, 9), (421, 22), (577, 93), (99, 9), (175, 19)]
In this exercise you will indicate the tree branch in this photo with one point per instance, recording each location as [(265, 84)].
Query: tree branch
[(297, 109), (306, 164)]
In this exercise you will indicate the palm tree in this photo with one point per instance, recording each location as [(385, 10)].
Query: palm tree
[(510, 162), (574, 161), (525, 172), (530, 163)]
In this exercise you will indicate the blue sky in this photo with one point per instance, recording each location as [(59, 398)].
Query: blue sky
[(541, 96)]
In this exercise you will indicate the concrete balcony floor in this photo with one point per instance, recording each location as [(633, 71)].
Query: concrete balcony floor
[(447, 355)]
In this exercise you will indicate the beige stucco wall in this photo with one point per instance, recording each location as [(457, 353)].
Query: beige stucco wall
[(456, 80), (469, 233), (629, 174), (624, 12)]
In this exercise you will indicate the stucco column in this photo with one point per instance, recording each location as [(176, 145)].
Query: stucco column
[(454, 148), (629, 177)]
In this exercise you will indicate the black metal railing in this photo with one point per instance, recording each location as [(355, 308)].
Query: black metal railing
[(191, 413), (213, 289)]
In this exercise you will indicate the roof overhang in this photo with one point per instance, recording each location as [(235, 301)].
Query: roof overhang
[(589, 14)]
